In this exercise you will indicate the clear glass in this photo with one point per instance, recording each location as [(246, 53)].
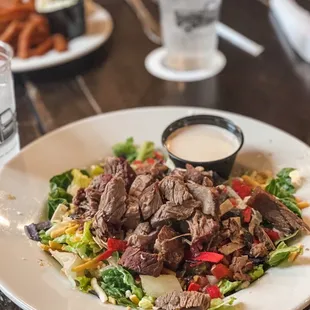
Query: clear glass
[(189, 32), (9, 138)]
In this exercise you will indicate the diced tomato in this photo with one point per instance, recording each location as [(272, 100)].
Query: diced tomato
[(247, 214), (193, 287), (150, 161), (159, 156), (137, 162), (105, 255), (273, 235), (213, 291), (242, 189), (117, 244), (221, 271), (233, 201), (210, 257)]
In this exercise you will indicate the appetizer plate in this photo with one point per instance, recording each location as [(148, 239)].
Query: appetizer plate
[(99, 29), (34, 281)]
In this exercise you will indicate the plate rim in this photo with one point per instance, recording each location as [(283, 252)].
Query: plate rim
[(57, 62)]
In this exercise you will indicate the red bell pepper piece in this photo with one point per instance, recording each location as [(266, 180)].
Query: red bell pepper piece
[(117, 244), (150, 161), (273, 235), (193, 287), (241, 188), (247, 214), (210, 257), (213, 291), (159, 156), (221, 271), (137, 162), (233, 201), (105, 255)]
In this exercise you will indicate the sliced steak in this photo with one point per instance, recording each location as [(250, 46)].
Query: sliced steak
[(262, 236), (183, 301), (232, 229), (276, 212), (156, 170), (150, 201), (205, 196), (100, 227), (79, 197), (113, 199), (121, 167), (171, 249), (174, 189), (100, 182), (256, 220), (240, 266), (258, 250), (142, 262), (197, 176), (202, 227), (173, 212), (143, 237), (140, 183), (132, 216)]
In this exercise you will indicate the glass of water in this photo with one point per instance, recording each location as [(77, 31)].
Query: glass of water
[(189, 32), (9, 139)]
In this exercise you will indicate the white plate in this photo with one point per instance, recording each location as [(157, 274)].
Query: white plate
[(33, 280), (99, 29)]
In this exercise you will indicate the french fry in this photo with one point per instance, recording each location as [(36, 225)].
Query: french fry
[(15, 13), (60, 43), (23, 48), (11, 32), (43, 48)]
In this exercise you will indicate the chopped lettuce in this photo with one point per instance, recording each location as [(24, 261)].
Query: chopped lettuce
[(126, 149), (96, 170), (227, 286), (283, 188), (116, 281), (84, 245), (145, 151), (79, 179), (147, 302), (220, 304), (282, 253), (257, 272), (84, 284), (44, 238), (287, 238)]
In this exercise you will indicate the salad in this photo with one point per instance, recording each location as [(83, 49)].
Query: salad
[(135, 233)]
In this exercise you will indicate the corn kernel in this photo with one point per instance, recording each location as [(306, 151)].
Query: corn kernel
[(134, 299)]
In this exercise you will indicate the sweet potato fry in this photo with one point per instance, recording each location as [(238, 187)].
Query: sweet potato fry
[(11, 32), (23, 50), (60, 43), (15, 13), (43, 48)]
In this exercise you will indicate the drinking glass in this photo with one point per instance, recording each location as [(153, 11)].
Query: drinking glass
[(9, 138), (189, 32)]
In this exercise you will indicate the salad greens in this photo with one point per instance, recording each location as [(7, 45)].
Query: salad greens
[(220, 304), (62, 180), (84, 284), (227, 286), (282, 253), (282, 188), (131, 152), (116, 281), (257, 272)]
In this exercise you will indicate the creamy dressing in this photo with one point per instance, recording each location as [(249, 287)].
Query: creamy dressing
[(201, 143), (47, 6)]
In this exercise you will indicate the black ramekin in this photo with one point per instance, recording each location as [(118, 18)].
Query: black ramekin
[(222, 166)]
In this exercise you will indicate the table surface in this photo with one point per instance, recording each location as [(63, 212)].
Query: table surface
[(273, 87)]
